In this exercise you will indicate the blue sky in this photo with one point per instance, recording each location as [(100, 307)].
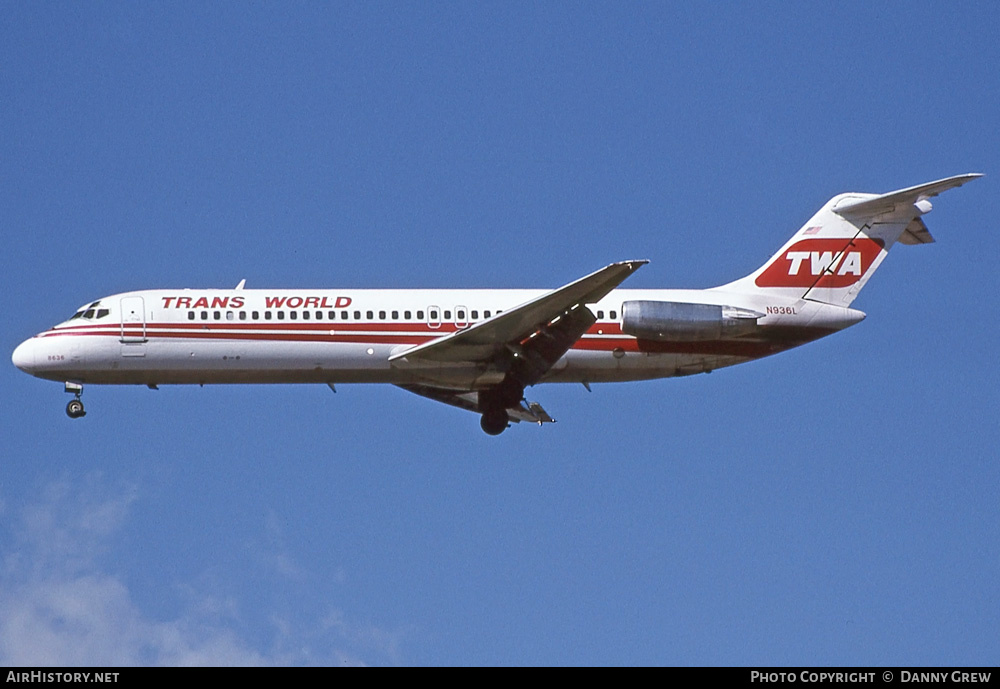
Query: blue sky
[(836, 504)]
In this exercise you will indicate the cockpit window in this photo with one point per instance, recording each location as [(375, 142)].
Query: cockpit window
[(91, 312)]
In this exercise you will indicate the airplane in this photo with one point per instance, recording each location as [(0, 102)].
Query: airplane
[(479, 349)]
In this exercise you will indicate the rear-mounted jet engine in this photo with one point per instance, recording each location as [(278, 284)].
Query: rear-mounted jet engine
[(668, 321)]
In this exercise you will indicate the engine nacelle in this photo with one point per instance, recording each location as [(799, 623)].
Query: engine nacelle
[(668, 321)]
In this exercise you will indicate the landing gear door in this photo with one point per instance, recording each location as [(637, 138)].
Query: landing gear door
[(133, 319)]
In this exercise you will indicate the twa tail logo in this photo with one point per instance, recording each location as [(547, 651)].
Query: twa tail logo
[(821, 262)]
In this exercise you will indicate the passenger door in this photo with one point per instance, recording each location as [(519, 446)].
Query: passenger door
[(133, 320)]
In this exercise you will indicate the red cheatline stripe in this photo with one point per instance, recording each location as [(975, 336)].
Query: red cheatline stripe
[(287, 335), (274, 337), (270, 325), (402, 333), (338, 327), (741, 348)]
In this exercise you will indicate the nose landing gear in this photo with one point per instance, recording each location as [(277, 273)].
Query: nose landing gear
[(74, 409)]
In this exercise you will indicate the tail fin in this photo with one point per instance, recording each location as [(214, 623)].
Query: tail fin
[(834, 254)]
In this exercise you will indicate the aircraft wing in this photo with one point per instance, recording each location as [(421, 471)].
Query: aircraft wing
[(530, 412), (514, 327)]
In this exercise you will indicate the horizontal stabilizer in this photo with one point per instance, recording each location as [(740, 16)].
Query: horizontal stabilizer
[(888, 203)]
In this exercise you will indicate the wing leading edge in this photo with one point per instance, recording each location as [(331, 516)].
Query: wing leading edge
[(481, 341), (520, 344)]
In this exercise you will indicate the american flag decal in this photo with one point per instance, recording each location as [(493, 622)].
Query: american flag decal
[(812, 230)]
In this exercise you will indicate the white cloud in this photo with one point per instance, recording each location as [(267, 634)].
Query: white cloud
[(90, 619), (60, 608)]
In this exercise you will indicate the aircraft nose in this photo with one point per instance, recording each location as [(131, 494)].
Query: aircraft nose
[(24, 356)]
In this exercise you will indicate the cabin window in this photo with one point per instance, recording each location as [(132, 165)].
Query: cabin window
[(332, 315), (204, 315), (381, 315), (357, 315), (370, 315), (267, 315), (600, 315), (406, 315), (243, 315), (486, 314), (434, 314), (447, 315), (255, 315), (217, 316), (614, 315), (281, 315), (319, 315), (395, 315), (230, 315), (420, 315), (475, 315), (460, 315), (293, 314), (190, 315)]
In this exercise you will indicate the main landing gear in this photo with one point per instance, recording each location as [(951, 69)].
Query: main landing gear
[(494, 421), (74, 409), (494, 404)]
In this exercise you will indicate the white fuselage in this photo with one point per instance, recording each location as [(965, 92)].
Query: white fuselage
[(479, 350), (347, 336)]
